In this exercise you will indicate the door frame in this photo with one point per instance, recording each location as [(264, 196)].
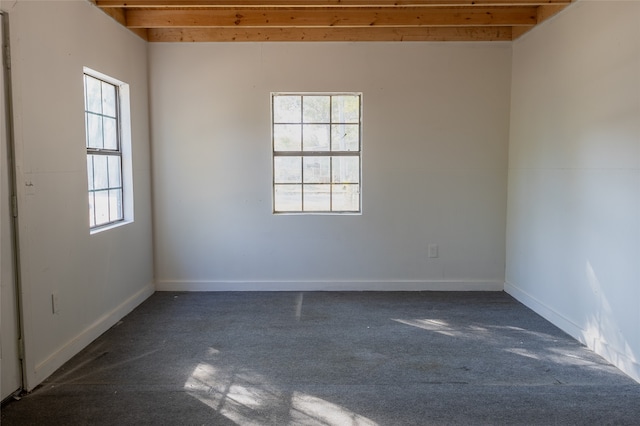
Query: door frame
[(13, 196)]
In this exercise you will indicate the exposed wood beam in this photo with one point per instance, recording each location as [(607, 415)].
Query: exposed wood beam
[(320, 17), (547, 11), (119, 15), (544, 13), (143, 33), (330, 20), (331, 34), (312, 3), (516, 32)]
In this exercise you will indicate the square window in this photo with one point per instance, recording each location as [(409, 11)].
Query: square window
[(317, 144)]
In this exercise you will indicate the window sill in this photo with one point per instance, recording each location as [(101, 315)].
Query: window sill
[(109, 227)]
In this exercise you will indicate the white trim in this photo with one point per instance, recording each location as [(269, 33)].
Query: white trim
[(544, 311), (622, 361), (54, 361), (302, 153), (400, 285), (112, 225), (125, 149), (102, 76)]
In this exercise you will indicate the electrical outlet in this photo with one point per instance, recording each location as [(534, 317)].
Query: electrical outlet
[(55, 302), (433, 250)]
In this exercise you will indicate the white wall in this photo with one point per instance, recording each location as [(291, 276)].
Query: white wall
[(573, 231), (100, 277), (436, 126), (434, 167)]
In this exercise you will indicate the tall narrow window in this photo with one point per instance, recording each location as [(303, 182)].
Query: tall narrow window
[(104, 151), (316, 152)]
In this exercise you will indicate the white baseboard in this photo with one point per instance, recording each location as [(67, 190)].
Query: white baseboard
[(329, 285), (545, 311), (622, 361), (54, 361)]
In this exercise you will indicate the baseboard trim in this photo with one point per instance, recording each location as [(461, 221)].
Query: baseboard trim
[(54, 361), (559, 320), (622, 361), (330, 285)]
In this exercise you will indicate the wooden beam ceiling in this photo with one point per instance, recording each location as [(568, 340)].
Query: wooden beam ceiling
[(330, 20)]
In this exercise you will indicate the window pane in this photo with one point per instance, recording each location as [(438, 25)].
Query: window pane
[(345, 109), (317, 197), (113, 162), (104, 172), (287, 169), (94, 132), (102, 207), (94, 97), (287, 137), (100, 172), (110, 133), (316, 149), (92, 218), (108, 99), (287, 109), (316, 109), (316, 169), (345, 137), (115, 205), (90, 171), (316, 137), (346, 170), (287, 198), (346, 198)]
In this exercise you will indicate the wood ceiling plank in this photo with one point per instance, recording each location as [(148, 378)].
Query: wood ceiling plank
[(548, 11), (143, 33), (321, 17), (327, 3), (517, 32), (119, 15), (544, 13), (330, 34)]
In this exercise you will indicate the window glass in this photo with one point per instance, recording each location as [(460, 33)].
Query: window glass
[(104, 154), (316, 152)]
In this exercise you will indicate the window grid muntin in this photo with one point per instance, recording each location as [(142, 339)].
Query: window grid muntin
[(93, 151), (330, 153)]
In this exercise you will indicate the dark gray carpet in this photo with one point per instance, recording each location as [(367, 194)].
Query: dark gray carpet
[(332, 358)]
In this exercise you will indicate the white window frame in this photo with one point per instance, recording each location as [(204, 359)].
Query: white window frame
[(123, 115), (302, 153)]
